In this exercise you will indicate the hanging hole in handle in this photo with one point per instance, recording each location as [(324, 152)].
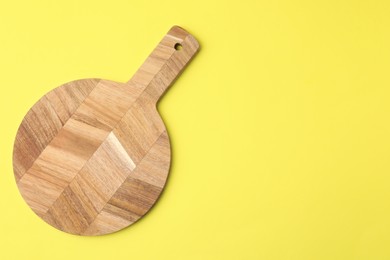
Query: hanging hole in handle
[(178, 46)]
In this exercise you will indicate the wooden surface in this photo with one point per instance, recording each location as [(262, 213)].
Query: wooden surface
[(92, 156)]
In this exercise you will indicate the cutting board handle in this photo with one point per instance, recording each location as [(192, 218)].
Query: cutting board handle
[(165, 63)]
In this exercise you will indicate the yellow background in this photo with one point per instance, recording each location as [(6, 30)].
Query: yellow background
[(280, 126)]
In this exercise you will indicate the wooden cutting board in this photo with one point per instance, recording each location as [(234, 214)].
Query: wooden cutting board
[(92, 156)]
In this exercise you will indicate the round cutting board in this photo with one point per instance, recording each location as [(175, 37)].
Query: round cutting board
[(92, 156)]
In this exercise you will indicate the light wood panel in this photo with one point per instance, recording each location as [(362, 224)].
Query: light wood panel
[(92, 156)]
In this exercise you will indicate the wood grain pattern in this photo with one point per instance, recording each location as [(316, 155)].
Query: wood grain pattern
[(92, 156)]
